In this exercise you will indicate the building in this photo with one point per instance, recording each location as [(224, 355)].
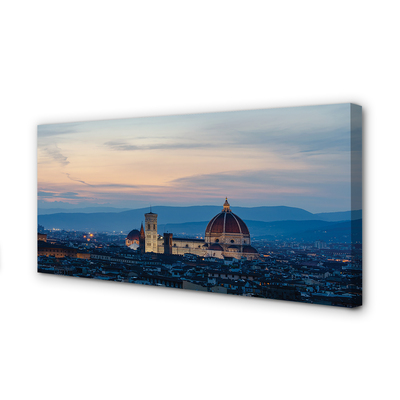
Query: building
[(319, 244), (226, 235), (58, 250), (42, 237), (55, 250), (133, 239), (151, 237)]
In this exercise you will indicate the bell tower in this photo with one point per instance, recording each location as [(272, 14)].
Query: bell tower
[(150, 227)]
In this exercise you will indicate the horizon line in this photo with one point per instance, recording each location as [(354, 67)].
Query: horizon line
[(187, 206)]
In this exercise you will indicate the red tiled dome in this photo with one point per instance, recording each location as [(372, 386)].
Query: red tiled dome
[(249, 249), (133, 235), (227, 222)]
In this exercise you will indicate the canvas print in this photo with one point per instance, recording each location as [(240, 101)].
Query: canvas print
[(259, 203)]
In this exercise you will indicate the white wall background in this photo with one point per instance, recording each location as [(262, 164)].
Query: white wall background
[(66, 338)]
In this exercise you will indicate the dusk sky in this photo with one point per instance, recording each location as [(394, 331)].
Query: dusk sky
[(298, 157)]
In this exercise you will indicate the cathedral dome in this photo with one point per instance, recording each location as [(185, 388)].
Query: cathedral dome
[(249, 249), (133, 235), (227, 222)]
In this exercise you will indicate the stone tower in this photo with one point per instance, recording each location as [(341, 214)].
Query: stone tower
[(150, 227)]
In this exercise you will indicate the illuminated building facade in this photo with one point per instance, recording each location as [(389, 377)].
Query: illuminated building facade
[(226, 235)]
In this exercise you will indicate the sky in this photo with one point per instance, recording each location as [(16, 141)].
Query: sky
[(298, 157)]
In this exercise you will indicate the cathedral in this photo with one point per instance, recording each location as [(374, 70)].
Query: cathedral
[(226, 235)]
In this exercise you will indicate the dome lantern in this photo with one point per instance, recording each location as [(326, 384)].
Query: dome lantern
[(227, 207), (226, 222)]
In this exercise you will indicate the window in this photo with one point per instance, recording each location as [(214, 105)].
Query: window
[(216, 240), (154, 226), (232, 241), (148, 226)]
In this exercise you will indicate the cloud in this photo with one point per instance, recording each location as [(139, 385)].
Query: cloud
[(116, 185), (265, 181), (244, 178), (322, 129), (101, 185), (46, 194), (64, 195), (55, 153), (295, 150), (77, 180), (58, 129), (123, 146), (308, 189)]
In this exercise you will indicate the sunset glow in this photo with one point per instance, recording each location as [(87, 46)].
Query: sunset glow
[(297, 157)]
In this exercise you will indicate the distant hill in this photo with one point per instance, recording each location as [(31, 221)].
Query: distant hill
[(346, 232), (258, 229), (127, 220), (167, 214), (287, 230), (340, 216), (192, 221)]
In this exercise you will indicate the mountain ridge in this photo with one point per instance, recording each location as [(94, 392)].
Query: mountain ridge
[(131, 219), (284, 230)]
